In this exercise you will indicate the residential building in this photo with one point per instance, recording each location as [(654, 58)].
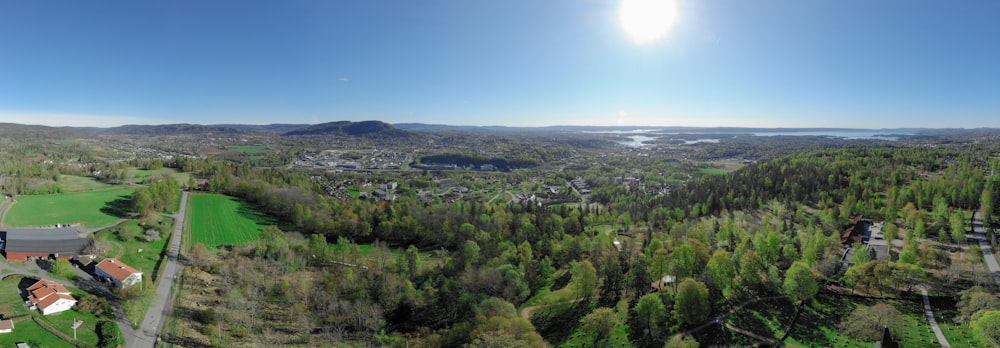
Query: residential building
[(50, 297), (118, 272)]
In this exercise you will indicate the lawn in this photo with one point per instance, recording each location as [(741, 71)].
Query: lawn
[(712, 171), (73, 183), (127, 243), (215, 220), (92, 209), (817, 325)]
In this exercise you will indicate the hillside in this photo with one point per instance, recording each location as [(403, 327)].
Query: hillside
[(34, 132), (171, 129), (350, 128)]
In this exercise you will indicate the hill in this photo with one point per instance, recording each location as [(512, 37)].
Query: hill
[(171, 129), (350, 128), (23, 131), (276, 128)]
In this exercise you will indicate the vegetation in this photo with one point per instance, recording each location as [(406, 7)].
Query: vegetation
[(92, 209), (216, 220)]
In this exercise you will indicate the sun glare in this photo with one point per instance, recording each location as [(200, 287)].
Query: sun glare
[(646, 21)]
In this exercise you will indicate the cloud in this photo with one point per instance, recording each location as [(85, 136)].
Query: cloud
[(344, 79), (74, 120)]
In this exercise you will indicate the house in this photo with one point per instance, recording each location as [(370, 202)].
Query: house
[(6, 326), (854, 233), (50, 297), (57, 243), (118, 272)]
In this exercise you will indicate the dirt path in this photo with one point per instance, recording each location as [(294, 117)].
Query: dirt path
[(526, 312), (930, 318), (984, 244)]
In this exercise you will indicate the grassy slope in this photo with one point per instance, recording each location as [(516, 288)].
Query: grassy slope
[(73, 183), (92, 209), (215, 220), (139, 175)]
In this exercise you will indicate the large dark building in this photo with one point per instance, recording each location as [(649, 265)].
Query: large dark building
[(56, 243)]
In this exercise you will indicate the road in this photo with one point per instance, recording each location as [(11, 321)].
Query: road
[(930, 318), (156, 316), (984, 244)]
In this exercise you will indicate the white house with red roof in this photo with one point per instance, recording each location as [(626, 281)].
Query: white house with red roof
[(118, 272), (50, 297)]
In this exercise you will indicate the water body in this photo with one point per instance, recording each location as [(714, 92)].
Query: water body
[(844, 134), (637, 140)]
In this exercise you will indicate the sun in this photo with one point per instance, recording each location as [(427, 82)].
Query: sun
[(646, 21)]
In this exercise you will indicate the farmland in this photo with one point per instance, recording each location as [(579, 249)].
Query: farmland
[(92, 209), (222, 220)]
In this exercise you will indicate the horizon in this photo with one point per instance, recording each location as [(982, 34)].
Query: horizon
[(638, 127), (678, 63)]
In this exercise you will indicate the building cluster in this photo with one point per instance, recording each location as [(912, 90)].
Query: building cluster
[(51, 297), (580, 185)]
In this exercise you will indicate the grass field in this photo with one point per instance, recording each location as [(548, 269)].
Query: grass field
[(92, 209), (249, 149), (73, 183), (712, 171), (215, 220)]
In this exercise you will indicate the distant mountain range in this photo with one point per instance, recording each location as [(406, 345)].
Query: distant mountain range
[(382, 129)]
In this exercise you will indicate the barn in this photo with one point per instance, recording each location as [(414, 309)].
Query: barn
[(54, 243)]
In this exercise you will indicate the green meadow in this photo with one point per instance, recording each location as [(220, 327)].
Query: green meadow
[(92, 209), (215, 220)]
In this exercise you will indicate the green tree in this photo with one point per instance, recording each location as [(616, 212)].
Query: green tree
[(890, 231), (691, 302), (987, 326), (62, 268), (584, 279), (975, 299), (721, 270), (678, 342), (600, 322), (412, 260), (861, 253), (800, 282), (866, 323), (957, 223), (650, 312)]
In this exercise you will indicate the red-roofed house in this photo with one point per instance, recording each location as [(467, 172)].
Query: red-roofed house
[(121, 274), (50, 297)]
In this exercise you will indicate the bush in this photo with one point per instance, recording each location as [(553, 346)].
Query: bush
[(99, 306), (109, 333), (152, 235)]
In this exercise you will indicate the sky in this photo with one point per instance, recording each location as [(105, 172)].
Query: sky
[(761, 63)]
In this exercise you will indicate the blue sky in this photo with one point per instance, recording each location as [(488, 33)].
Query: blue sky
[(767, 63)]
